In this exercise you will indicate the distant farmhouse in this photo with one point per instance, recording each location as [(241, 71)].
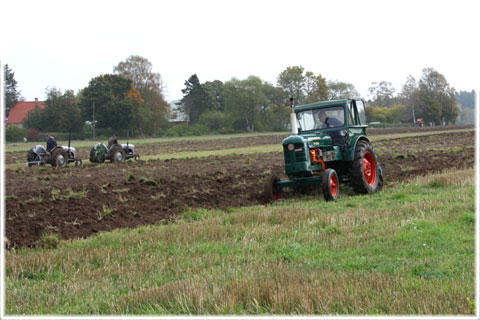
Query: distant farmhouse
[(19, 111), (177, 115)]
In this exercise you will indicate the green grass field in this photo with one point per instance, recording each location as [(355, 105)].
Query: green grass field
[(407, 250)]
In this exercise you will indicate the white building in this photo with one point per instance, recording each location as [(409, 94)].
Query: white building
[(177, 115)]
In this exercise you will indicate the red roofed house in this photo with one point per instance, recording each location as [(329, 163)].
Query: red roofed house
[(19, 111)]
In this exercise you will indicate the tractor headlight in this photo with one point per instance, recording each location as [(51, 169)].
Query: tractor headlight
[(343, 133)]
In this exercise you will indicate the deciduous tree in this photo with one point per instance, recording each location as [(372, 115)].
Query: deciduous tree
[(304, 87), (436, 100), (315, 87), (116, 105), (152, 114), (61, 114), (292, 81), (382, 94), (341, 90), (244, 100)]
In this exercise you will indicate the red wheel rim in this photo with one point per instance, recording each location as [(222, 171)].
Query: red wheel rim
[(369, 168), (275, 191), (333, 186)]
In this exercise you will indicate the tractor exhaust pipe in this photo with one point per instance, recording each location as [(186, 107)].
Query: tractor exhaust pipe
[(293, 118), (69, 139)]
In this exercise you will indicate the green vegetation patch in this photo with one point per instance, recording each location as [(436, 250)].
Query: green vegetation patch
[(409, 249)]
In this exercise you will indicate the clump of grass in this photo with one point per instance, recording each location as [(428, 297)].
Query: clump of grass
[(468, 218), (55, 193), (74, 194), (129, 177), (105, 212), (48, 241), (34, 199), (457, 148), (333, 230), (147, 181), (193, 215)]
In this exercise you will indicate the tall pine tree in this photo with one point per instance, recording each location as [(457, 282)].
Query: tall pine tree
[(12, 95), (195, 99)]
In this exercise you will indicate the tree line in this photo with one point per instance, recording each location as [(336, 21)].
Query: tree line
[(131, 101), (430, 98)]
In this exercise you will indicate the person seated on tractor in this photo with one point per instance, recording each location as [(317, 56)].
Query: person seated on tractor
[(113, 140), (51, 143), (327, 122)]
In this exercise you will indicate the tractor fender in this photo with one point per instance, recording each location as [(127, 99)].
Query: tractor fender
[(353, 144)]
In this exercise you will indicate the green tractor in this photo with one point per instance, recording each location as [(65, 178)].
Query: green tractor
[(329, 146)]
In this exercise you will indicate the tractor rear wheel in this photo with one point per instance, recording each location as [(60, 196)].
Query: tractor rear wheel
[(31, 155), (92, 155), (364, 171), (270, 188), (59, 158), (330, 185), (117, 154)]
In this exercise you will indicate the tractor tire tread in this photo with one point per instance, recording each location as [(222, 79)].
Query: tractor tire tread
[(357, 176), (55, 154)]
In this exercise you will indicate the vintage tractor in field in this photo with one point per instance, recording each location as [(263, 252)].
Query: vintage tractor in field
[(58, 157), (116, 153), (329, 146)]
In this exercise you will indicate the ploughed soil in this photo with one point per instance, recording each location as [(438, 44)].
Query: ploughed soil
[(75, 202)]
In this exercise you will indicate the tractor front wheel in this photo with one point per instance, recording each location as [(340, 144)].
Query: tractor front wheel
[(271, 190), (364, 171), (330, 185)]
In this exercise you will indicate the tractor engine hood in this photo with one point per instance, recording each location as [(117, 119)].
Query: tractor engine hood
[(313, 141)]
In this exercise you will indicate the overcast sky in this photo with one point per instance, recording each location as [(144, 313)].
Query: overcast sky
[(64, 44)]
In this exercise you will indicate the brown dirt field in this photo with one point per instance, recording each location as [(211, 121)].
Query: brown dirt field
[(75, 202)]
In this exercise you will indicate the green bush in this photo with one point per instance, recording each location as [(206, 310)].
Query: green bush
[(215, 120), (184, 130), (198, 130), (176, 131), (15, 134)]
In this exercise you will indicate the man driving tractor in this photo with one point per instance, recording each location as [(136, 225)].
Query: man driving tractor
[(51, 143), (113, 140), (328, 122)]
